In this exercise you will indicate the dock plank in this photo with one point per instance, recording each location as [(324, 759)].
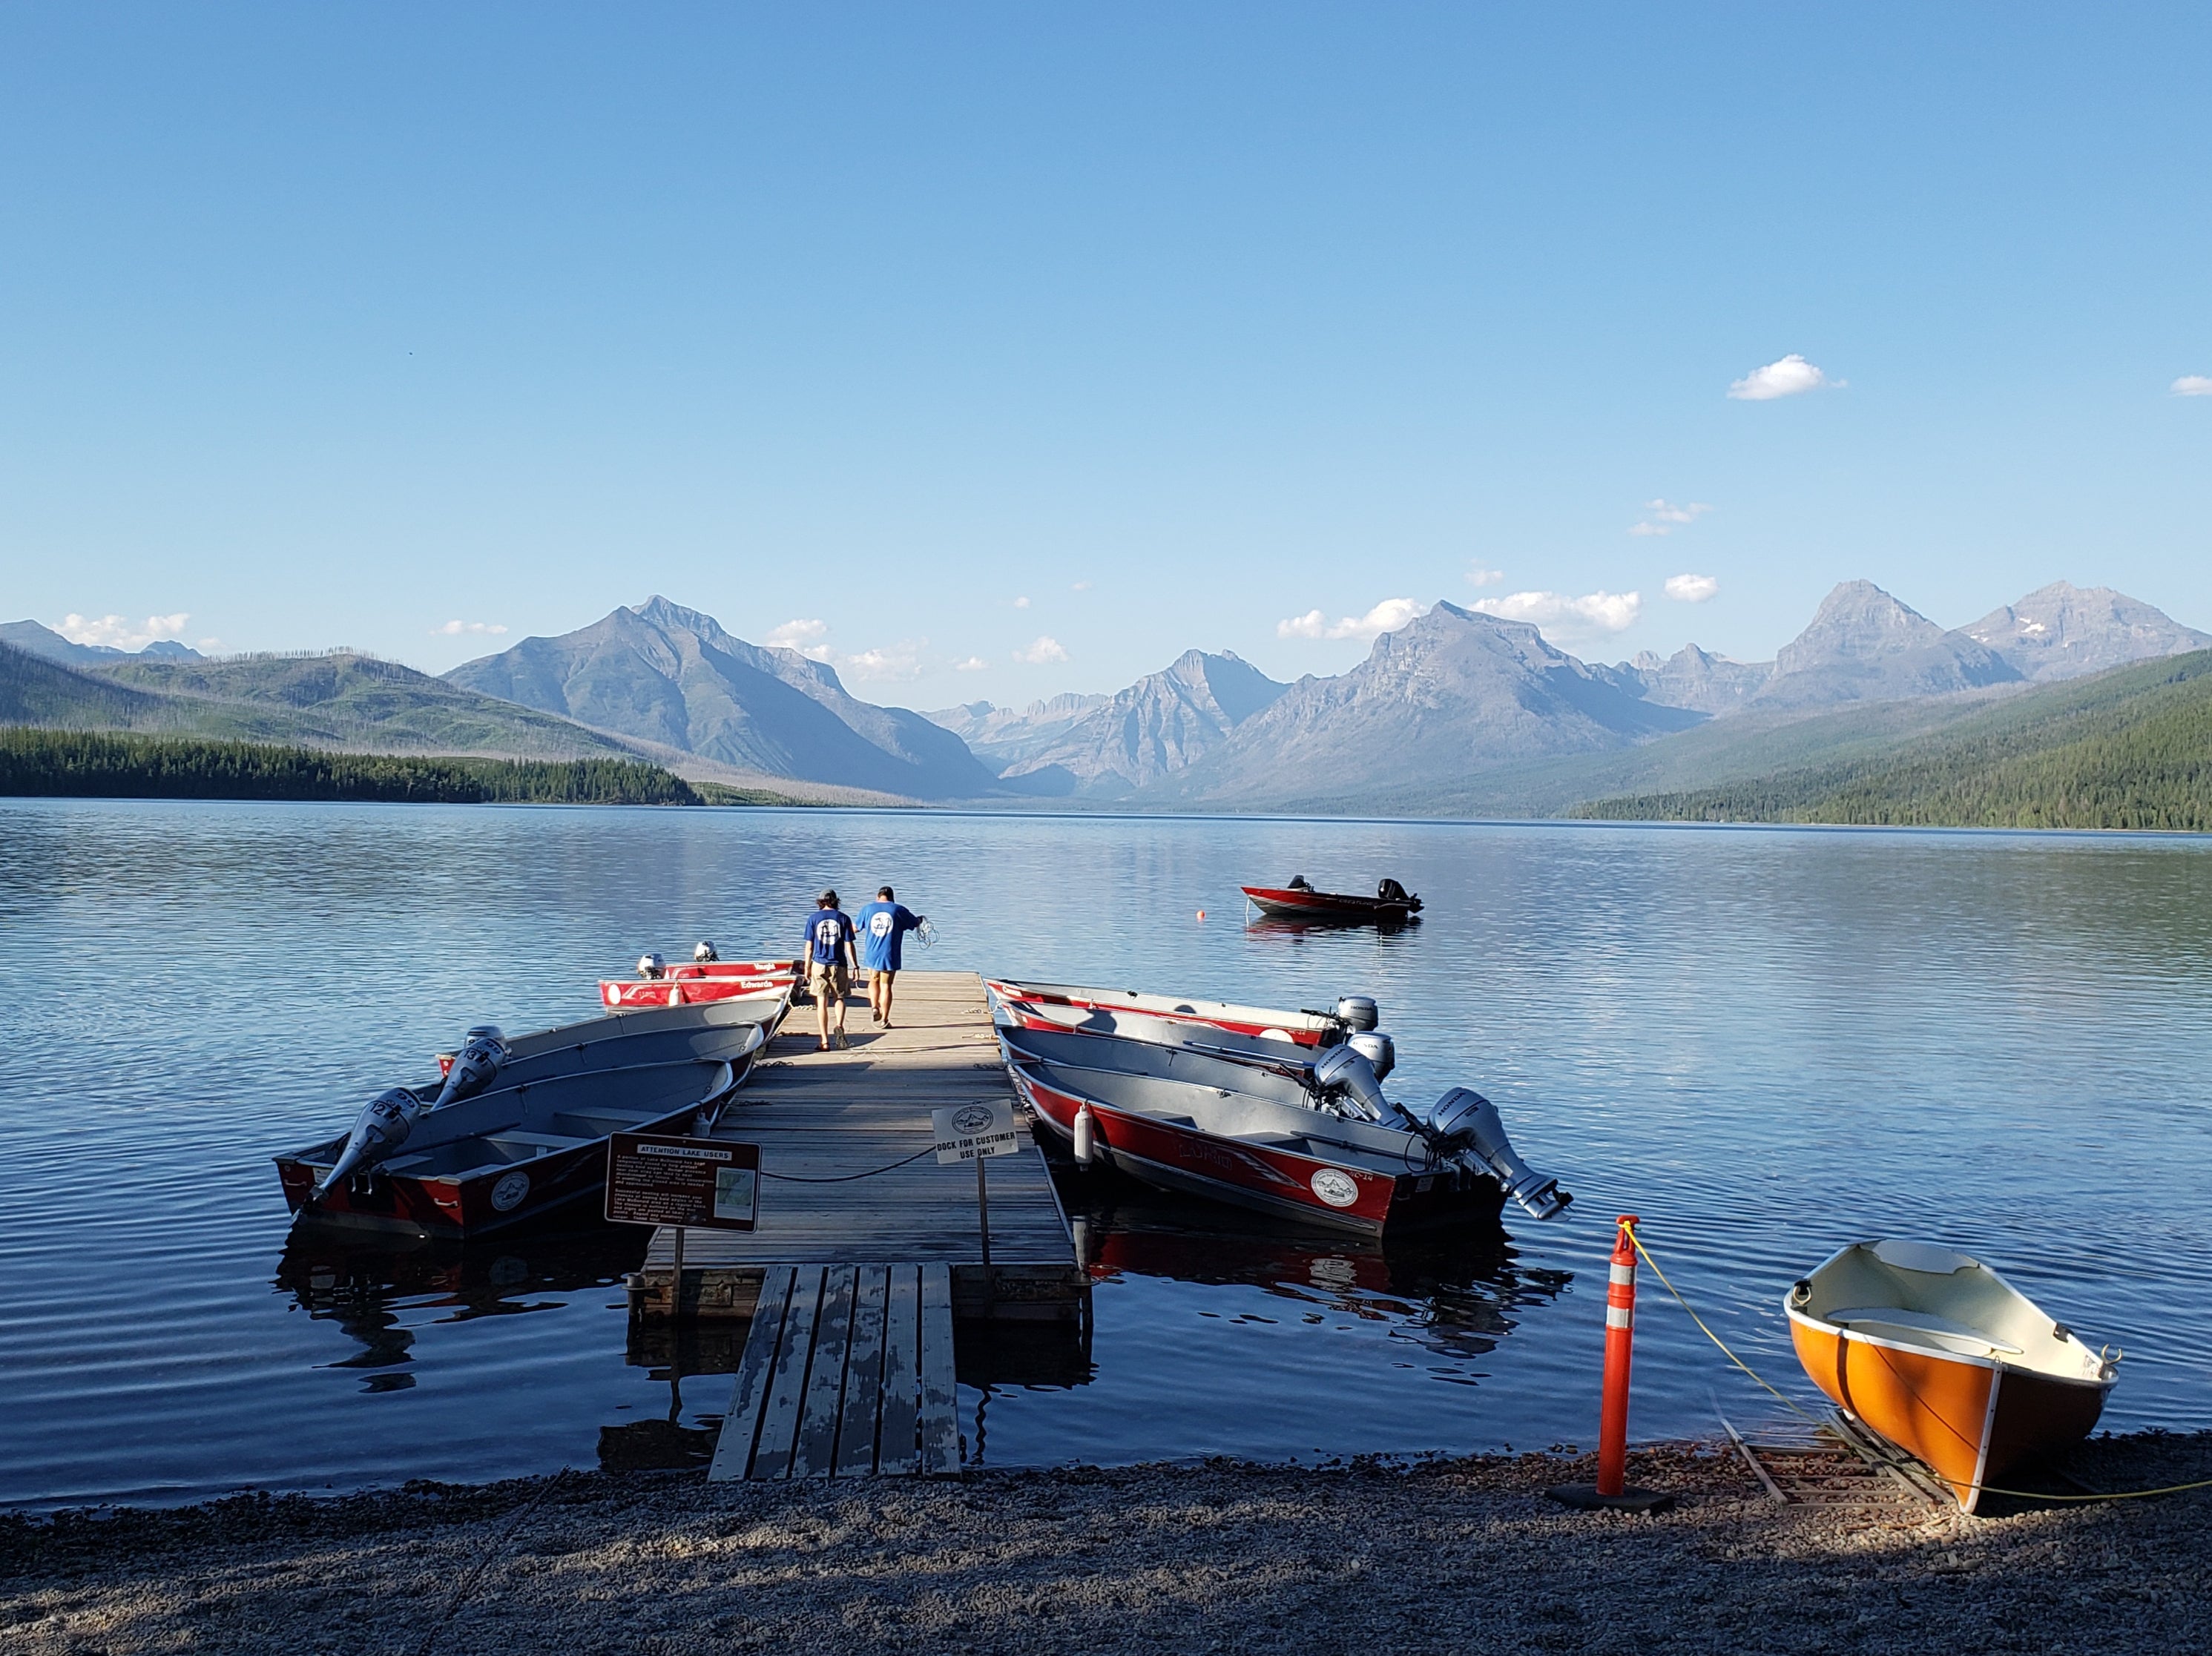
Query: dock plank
[(779, 1431), (899, 1440), (734, 1447), (940, 1393), (814, 1452), (864, 1374)]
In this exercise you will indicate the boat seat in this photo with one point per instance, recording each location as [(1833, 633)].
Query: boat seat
[(1892, 1322), (595, 1124), (537, 1141)]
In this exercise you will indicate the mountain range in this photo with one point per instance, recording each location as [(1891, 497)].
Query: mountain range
[(1457, 712)]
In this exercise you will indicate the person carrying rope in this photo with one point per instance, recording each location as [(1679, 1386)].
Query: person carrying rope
[(884, 925)]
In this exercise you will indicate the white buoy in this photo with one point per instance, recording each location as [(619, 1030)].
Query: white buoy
[(1086, 1137)]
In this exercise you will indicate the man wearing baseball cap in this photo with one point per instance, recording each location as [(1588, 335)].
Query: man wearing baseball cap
[(830, 962)]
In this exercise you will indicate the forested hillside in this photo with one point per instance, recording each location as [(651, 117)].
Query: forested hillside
[(2131, 748), (82, 764)]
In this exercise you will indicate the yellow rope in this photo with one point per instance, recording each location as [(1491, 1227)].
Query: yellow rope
[(1987, 1489), (1788, 1401)]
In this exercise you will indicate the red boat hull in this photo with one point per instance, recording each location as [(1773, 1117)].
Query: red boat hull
[(679, 990), (1264, 1178), (1329, 907)]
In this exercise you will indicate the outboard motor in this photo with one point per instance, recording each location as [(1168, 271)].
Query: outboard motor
[(1466, 1119), (383, 1128), (1344, 1078), (650, 965), (1357, 1012), (1377, 1049), (702, 953), (479, 1060)]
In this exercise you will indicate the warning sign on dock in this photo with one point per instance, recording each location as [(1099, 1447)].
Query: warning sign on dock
[(967, 1132), (656, 1178)]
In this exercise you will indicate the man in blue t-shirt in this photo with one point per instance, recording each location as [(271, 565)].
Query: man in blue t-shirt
[(829, 958), (884, 923)]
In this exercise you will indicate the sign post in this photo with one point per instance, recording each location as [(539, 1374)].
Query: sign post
[(976, 1132), (664, 1179)]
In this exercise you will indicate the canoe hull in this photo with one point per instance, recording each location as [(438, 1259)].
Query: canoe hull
[(1064, 1006), (1938, 1355)]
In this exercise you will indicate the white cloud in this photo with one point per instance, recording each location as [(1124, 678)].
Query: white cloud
[(901, 660), (1479, 576), (973, 664), (117, 633), (2192, 385), (455, 628), (1664, 518), (1786, 378), (1587, 616), (791, 634), (1082, 587), (1692, 589), (1387, 616), (1021, 604), (1047, 649)]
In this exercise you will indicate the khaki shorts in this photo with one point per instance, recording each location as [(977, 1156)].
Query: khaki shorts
[(829, 982)]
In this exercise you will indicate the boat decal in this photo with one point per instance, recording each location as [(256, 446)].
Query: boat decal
[(511, 1192), (1335, 1187)]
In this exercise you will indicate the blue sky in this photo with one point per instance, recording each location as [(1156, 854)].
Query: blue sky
[(1055, 340)]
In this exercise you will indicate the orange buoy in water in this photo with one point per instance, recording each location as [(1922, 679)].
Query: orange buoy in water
[(1201, 913)]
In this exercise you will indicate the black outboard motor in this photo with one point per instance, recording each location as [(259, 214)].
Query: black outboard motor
[(1298, 883), (1389, 891)]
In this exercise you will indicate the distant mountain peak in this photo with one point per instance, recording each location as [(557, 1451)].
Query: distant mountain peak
[(667, 673), (2063, 631), (40, 640), (1863, 644)]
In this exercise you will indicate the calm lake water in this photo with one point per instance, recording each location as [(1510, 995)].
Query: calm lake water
[(1766, 1043)]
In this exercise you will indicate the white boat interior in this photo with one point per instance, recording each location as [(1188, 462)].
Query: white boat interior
[(1912, 1294), (728, 1030)]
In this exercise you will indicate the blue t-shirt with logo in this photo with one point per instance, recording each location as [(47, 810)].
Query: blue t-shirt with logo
[(826, 928), (881, 927)]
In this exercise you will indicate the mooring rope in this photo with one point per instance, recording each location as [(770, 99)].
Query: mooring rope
[(468, 1582), (846, 1178), (1792, 1404)]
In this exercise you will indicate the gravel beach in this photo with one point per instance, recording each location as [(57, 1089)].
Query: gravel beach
[(1449, 1554)]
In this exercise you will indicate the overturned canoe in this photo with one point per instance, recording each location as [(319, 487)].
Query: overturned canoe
[(1947, 1360)]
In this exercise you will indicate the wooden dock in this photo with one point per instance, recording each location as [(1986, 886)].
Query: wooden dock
[(867, 1251)]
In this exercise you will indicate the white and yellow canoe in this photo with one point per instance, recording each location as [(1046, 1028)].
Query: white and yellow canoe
[(1947, 1360)]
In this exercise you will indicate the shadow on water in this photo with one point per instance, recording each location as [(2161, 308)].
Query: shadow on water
[(362, 1284)]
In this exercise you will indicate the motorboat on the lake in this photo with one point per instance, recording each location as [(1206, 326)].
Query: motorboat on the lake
[(1391, 905), (1307, 1135), (697, 982), (1940, 1354), (517, 1129), (1177, 1019)]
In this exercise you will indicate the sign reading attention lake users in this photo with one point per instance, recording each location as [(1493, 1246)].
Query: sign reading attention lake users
[(656, 1179), (968, 1132)]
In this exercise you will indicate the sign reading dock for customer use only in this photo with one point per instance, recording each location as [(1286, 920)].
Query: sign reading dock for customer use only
[(967, 1132), (708, 1184)]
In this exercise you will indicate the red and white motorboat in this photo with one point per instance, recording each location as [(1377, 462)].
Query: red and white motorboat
[(519, 1128), (1306, 1137), (1391, 905), (1175, 1019), (625, 994)]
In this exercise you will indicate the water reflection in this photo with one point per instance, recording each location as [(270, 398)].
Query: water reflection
[(367, 1286), (1457, 1292)]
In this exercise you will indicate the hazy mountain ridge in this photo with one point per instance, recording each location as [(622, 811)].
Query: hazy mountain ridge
[(41, 640), (1453, 690), (2129, 748), (1001, 737), (1163, 724), (672, 676), (2063, 631)]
